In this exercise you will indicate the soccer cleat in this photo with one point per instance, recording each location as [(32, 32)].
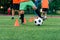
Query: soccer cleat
[(19, 17), (22, 22), (12, 18), (44, 19)]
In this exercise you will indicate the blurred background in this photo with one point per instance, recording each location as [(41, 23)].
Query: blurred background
[(54, 6)]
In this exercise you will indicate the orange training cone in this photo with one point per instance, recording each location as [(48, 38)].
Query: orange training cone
[(24, 20), (16, 23), (31, 19)]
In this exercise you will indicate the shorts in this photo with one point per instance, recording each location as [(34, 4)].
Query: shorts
[(23, 5), (15, 6), (45, 9)]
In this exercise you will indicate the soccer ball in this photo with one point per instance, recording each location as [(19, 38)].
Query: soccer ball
[(38, 21)]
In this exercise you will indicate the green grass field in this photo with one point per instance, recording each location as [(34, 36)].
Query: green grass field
[(50, 30)]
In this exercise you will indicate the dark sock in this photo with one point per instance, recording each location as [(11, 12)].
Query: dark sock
[(22, 18), (38, 12)]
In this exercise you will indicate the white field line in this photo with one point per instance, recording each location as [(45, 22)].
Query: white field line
[(28, 18), (26, 28), (33, 29), (6, 25), (5, 19)]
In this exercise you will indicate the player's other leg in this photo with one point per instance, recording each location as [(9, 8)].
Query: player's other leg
[(22, 7), (44, 13), (13, 10), (15, 7), (22, 16), (35, 8), (19, 14)]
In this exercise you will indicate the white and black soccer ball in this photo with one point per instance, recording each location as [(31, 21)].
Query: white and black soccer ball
[(38, 21)]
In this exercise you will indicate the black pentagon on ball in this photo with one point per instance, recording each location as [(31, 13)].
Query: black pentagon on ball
[(35, 22), (39, 20)]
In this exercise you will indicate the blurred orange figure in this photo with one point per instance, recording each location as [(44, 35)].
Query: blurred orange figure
[(45, 4), (45, 7)]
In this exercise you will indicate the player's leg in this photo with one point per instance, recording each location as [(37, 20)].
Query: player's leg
[(19, 15), (22, 16), (17, 8), (44, 12), (35, 8), (22, 8), (13, 12)]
